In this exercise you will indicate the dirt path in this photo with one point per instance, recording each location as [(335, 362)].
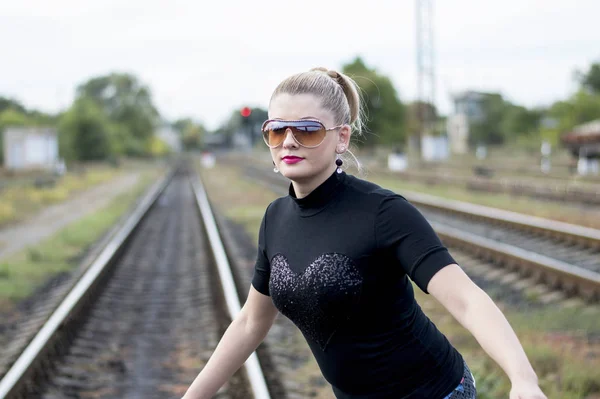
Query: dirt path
[(55, 217)]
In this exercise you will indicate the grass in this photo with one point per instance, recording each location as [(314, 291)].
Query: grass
[(504, 157), (555, 339), (19, 201), (245, 201), (23, 272), (526, 205)]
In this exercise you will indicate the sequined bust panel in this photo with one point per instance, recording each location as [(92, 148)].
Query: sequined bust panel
[(320, 299)]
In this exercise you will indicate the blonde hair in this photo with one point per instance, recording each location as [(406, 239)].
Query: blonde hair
[(338, 93)]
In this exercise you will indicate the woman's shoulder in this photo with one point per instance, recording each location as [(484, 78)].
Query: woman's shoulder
[(370, 189), (278, 204)]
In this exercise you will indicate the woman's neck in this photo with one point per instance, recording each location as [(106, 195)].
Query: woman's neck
[(304, 187)]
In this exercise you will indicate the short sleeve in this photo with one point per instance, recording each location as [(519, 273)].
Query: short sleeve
[(262, 267), (402, 231)]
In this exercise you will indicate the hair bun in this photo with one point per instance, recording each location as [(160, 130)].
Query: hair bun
[(331, 73)]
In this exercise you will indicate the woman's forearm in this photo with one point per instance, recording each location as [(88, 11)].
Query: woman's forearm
[(495, 335), (236, 345)]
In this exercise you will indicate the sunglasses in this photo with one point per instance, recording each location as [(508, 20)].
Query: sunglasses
[(308, 133)]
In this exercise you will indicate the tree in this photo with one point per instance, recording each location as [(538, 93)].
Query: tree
[(8, 103), (415, 110), (591, 79), (126, 102), (252, 124), (487, 130), (519, 121), (580, 108), (85, 132), (13, 117), (192, 133), (157, 147), (385, 112), (236, 123)]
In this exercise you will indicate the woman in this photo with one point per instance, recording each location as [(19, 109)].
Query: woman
[(336, 255)]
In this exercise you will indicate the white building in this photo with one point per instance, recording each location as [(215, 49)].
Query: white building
[(30, 148), (434, 148), (457, 126), (468, 107)]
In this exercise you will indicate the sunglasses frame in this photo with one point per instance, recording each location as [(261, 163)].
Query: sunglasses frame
[(262, 129)]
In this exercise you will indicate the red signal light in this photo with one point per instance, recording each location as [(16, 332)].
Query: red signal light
[(245, 112)]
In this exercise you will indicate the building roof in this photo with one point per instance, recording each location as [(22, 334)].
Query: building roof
[(471, 94), (31, 130), (586, 133)]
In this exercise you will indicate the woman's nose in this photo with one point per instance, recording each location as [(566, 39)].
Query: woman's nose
[(289, 139)]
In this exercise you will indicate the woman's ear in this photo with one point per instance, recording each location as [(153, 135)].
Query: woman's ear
[(343, 139)]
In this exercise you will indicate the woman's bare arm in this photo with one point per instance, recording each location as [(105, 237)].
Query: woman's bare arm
[(476, 311), (242, 337)]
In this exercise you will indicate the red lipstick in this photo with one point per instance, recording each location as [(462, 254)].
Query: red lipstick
[(290, 159)]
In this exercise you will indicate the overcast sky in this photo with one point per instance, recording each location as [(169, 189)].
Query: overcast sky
[(205, 58)]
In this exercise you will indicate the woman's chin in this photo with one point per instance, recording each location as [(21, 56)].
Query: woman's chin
[(294, 172)]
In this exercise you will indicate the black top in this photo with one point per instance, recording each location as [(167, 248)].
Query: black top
[(336, 263)]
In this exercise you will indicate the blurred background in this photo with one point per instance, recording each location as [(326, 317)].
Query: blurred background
[(492, 103), (443, 81)]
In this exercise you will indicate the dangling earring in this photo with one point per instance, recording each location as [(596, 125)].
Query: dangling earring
[(275, 168), (339, 163)]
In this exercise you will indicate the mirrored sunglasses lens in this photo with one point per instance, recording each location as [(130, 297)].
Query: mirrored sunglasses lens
[(274, 133), (309, 133)]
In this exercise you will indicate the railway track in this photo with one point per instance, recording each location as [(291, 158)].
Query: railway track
[(560, 174), (155, 310), (564, 257), (144, 317), (585, 194)]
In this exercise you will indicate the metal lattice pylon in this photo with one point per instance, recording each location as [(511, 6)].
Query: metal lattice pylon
[(425, 67)]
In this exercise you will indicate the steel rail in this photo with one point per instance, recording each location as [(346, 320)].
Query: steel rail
[(13, 381), (554, 272), (255, 374), (564, 231)]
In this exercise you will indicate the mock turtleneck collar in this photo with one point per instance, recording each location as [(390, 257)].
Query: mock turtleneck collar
[(320, 196)]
